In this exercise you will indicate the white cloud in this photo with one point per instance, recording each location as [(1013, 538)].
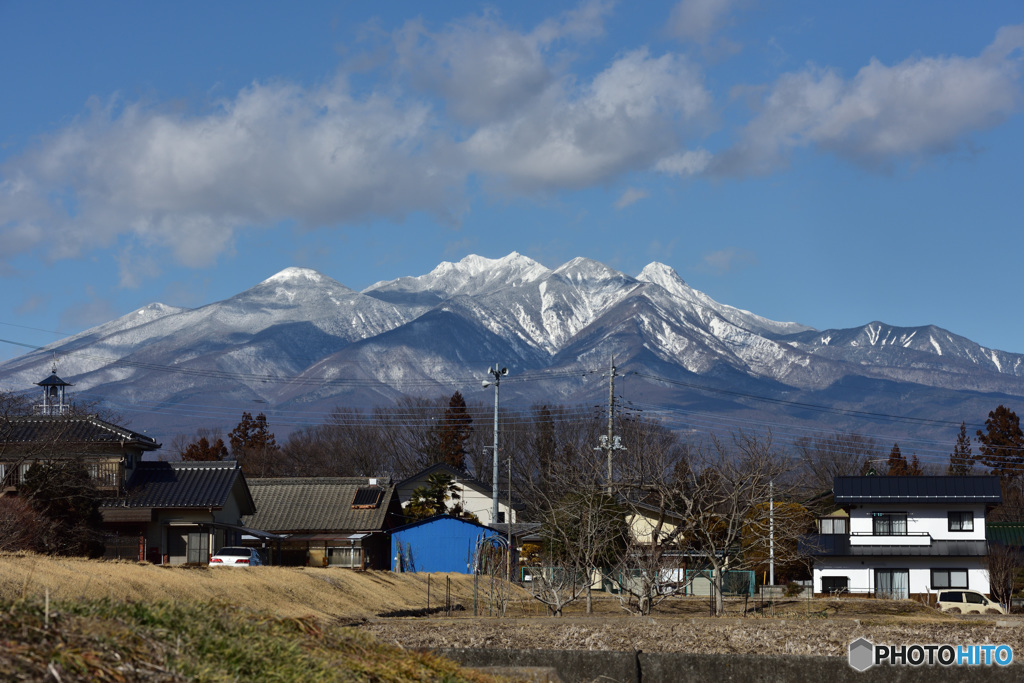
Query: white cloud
[(631, 196), (698, 20), (918, 107), (728, 259), (571, 137), (691, 162), (484, 70), (274, 152)]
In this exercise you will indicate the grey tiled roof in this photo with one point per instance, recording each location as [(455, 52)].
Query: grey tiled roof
[(851, 490), (185, 485), (320, 504), (71, 429)]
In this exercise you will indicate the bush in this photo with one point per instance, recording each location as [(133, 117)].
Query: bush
[(793, 589)]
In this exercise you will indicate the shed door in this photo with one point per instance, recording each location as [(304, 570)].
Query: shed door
[(198, 547)]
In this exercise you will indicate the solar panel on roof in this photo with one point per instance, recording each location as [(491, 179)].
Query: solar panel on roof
[(367, 497)]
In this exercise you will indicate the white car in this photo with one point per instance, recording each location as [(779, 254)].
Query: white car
[(967, 602), (236, 556)]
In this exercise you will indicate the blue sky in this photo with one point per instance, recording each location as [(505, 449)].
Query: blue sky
[(825, 163)]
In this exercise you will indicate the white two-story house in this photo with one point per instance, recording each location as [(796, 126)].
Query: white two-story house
[(904, 536)]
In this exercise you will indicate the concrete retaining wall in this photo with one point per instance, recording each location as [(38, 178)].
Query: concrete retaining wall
[(589, 665)]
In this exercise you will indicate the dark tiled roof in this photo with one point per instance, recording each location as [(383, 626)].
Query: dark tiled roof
[(185, 485), (316, 505), (850, 490), (71, 429), (838, 545)]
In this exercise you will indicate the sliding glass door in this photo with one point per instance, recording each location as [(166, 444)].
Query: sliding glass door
[(893, 584)]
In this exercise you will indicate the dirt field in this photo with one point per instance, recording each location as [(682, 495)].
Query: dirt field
[(382, 602), (682, 625)]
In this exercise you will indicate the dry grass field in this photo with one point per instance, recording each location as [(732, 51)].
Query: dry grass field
[(392, 607)]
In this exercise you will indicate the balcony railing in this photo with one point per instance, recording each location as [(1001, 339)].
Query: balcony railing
[(910, 538), (106, 475)]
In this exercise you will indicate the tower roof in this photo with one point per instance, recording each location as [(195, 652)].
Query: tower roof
[(54, 381)]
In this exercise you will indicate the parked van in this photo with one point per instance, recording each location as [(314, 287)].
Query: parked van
[(967, 602)]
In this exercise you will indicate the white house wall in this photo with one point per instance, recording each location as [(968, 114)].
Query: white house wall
[(861, 571), (925, 523), (473, 500), (932, 520)]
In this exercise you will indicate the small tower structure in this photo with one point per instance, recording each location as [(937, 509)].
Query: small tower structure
[(54, 400)]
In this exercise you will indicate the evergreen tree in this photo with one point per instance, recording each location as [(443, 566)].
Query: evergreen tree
[(252, 444), (1002, 443), (432, 499), (545, 445), (63, 494), (961, 460), (203, 451), (447, 442), (897, 464)]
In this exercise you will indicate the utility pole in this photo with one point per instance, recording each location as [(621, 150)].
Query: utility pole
[(771, 533), (497, 374), (609, 442)]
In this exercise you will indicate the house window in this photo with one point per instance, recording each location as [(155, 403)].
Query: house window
[(501, 516), (835, 584), (961, 521), (889, 523), (892, 584), (832, 525), (949, 578)]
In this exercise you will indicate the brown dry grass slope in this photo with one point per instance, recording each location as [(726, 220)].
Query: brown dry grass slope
[(286, 591)]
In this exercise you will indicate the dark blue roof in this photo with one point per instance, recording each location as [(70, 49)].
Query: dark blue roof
[(849, 490)]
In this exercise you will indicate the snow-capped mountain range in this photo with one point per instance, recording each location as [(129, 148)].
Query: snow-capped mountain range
[(300, 343)]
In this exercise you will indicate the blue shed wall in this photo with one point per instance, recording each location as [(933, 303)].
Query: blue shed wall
[(442, 545)]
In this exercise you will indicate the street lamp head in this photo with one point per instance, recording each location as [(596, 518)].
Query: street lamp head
[(485, 384)]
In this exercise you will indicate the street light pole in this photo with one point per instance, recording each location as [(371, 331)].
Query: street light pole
[(497, 374)]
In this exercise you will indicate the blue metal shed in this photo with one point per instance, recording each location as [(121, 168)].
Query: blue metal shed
[(438, 544)]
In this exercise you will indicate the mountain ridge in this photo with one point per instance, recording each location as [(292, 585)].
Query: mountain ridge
[(302, 341)]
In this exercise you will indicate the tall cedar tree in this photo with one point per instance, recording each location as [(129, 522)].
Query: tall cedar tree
[(1002, 443), (898, 465), (253, 444), (545, 444), (961, 460), (447, 443), (203, 451)]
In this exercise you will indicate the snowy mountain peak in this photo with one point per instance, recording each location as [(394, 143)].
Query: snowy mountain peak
[(665, 276), (581, 269), (295, 276), (472, 275)]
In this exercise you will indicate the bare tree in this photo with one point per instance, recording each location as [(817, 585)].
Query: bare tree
[(582, 531), (1002, 563), (824, 458), (724, 499)]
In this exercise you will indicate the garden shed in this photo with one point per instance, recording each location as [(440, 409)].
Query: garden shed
[(439, 544)]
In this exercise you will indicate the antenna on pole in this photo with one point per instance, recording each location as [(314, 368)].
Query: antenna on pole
[(609, 442)]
